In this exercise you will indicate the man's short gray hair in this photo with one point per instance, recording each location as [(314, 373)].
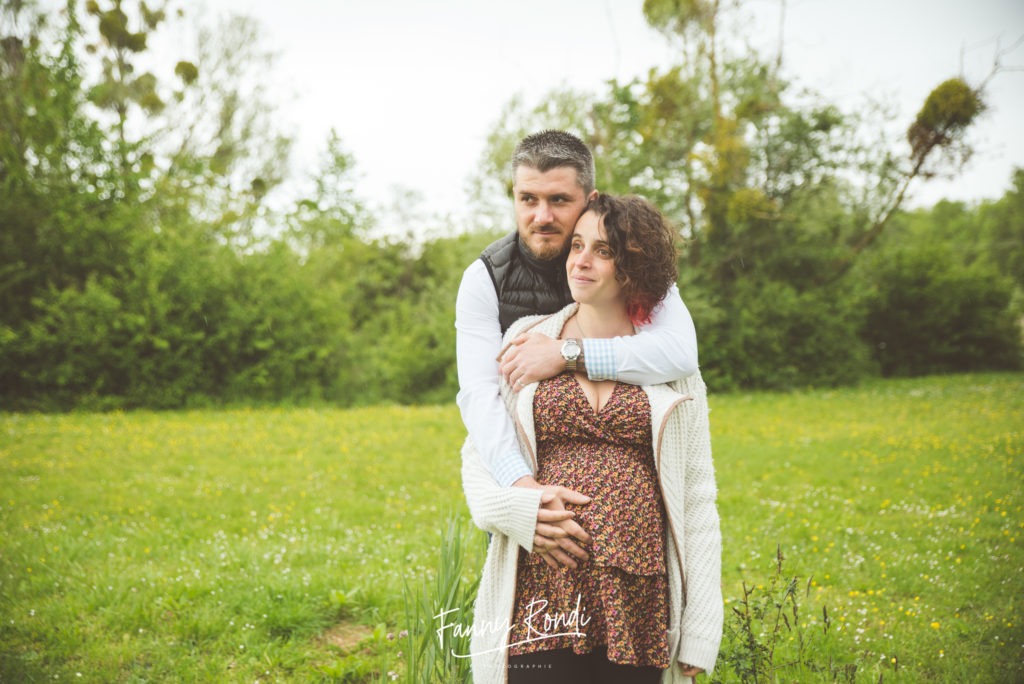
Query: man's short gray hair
[(551, 149)]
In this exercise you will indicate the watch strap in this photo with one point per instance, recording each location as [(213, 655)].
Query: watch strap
[(572, 363)]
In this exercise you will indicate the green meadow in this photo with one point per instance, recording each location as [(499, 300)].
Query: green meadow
[(280, 545)]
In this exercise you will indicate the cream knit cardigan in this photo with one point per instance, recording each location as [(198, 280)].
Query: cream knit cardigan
[(682, 450)]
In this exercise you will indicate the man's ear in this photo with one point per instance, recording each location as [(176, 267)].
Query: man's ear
[(593, 195)]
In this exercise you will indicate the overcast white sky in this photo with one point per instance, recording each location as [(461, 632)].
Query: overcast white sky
[(413, 86)]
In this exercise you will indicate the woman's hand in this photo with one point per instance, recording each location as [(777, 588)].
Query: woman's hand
[(558, 536), (691, 671)]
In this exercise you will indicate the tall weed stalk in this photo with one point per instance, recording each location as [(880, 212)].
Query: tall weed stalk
[(767, 638), (431, 653)]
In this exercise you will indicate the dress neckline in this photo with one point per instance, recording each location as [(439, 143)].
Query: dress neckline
[(594, 411)]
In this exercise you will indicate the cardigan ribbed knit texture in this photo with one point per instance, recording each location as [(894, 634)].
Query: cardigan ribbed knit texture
[(682, 454)]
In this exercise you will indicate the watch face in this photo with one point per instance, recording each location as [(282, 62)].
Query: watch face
[(571, 350)]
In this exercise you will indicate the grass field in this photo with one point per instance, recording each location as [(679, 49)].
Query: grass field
[(274, 545)]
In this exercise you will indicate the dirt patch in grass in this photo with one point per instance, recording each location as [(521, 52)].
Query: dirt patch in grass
[(347, 635)]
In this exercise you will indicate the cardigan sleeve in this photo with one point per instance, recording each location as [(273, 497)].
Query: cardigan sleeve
[(703, 616), (511, 511)]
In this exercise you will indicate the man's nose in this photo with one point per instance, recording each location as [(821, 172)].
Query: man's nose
[(542, 214)]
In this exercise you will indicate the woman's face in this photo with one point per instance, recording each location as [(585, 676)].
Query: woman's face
[(591, 264)]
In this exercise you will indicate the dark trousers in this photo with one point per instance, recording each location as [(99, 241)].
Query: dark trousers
[(562, 666)]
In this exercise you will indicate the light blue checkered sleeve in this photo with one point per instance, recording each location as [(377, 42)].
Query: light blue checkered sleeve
[(599, 357), (510, 468)]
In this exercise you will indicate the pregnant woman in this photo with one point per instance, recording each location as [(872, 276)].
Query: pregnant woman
[(645, 604)]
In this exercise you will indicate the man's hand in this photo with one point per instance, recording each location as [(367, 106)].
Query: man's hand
[(558, 536), (532, 357)]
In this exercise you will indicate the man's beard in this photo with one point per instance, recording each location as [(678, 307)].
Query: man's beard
[(547, 251)]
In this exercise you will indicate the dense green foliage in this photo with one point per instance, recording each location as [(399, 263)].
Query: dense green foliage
[(783, 204), (148, 271), (141, 264), (285, 545)]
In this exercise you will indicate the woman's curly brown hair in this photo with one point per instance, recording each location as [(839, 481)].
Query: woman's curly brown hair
[(643, 248)]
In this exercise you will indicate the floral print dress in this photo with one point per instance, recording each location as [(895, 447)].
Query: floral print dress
[(618, 599)]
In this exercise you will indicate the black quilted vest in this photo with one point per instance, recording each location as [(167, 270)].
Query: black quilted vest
[(525, 284)]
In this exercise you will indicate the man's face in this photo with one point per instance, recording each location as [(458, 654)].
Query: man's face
[(547, 206)]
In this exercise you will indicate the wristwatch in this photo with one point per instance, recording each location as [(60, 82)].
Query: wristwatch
[(571, 351)]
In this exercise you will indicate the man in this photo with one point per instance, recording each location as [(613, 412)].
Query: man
[(524, 274)]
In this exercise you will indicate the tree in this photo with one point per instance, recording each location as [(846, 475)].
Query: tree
[(929, 313), (120, 89), (333, 213), (1002, 230), (68, 236), (113, 239), (939, 129), (773, 191)]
